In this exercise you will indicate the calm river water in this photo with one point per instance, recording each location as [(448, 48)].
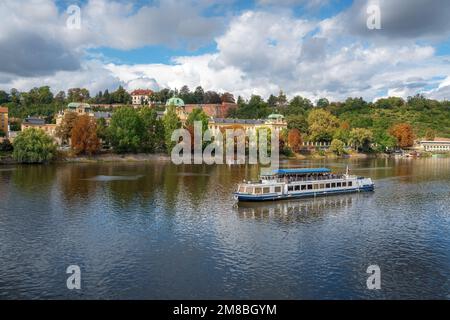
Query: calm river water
[(159, 231)]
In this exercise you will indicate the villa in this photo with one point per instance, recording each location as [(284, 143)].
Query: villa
[(141, 96), (438, 145)]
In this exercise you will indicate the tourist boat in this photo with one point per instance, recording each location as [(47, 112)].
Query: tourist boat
[(299, 183)]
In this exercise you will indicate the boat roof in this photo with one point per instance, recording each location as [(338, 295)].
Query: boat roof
[(301, 171)]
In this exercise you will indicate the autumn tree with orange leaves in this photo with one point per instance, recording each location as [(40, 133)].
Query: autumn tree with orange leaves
[(404, 134), (84, 136), (295, 140)]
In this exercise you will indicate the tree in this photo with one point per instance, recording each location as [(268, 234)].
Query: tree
[(199, 95), (126, 131), (60, 97), (150, 120), (361, 139), (297, 122), (212, 97), (337, 146), (33, 146), (281, 100), (2, 133), (64, 130), (84, 136), (323, 103), (430, 135), (171, 122), (227, 98), (343, 132), (78, 95), (295, 140), (4, 97), (404, 134), (102, 129), (6, 146), (322, 125)]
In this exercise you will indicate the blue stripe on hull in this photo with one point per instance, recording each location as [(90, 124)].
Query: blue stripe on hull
[(247, 198)]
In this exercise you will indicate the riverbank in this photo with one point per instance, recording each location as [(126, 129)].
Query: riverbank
[(65, 157)]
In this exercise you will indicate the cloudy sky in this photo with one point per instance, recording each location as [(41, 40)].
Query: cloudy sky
[(317, 48)]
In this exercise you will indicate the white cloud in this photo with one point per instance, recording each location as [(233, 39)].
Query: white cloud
[(260, 52)]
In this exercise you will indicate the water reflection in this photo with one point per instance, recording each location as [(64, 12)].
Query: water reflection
[(295, 210)]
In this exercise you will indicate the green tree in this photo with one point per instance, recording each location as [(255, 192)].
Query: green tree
[(337, 146), (171, 122), (33, 146), (361, 139), (322, 125), (297, 122), (126, 131), (150, 121)]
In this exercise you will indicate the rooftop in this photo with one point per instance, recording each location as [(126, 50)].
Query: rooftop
[(302, 171), (142, 92), (34, 121), (238, 121)]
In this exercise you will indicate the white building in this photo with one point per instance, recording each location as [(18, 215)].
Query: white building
[(140, 97), (439, 145)]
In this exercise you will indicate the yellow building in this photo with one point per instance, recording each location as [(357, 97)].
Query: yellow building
[(38, 123), (4, 120), (77, 107), (274, 122)]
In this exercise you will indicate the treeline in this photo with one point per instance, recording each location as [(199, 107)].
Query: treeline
[(427, 117), (43, 103)]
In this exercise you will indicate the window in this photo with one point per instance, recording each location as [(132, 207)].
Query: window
[(277, 189), (290, 188), (266, 190), (242, 189), (258, 190), (350, 183), (316, 186), (297, 188), (344, 184), (310, 186), (304, 187), (249, 190), (328, 186), (322, 186), (339, 184), (333, 185)]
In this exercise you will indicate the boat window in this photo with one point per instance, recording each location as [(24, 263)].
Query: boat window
[(344, 184), (277, 189), (242, 189), (316, 186), (333, 185), (328, 186), (291, 188), (258, 190), (303, 186), (297, 188), (322, 186), (249, 190), (310, 186), (266, 190), (339, 184), (350, 183)]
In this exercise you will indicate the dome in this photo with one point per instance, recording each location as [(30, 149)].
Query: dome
[(275, 116), (175, 102)]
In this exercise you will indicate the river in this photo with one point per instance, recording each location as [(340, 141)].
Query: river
[(159, 231)]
